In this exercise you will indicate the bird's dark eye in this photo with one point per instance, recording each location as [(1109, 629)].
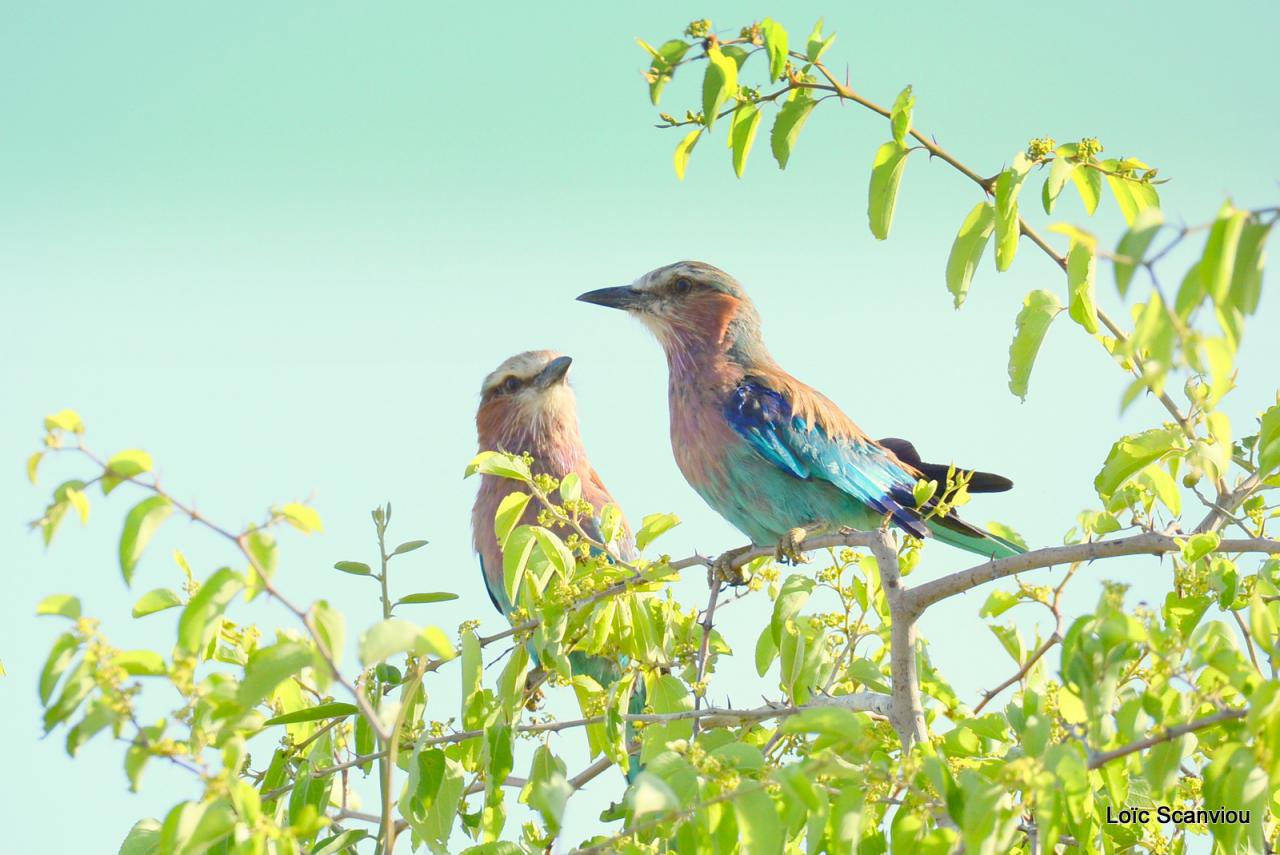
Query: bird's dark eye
[(683, 285), (511, 384)]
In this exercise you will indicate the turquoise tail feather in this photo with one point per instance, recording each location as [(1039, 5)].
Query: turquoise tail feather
[(972, 539)]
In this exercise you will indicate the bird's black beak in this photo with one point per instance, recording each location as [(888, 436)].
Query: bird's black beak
[(553, 373), (625, 297)]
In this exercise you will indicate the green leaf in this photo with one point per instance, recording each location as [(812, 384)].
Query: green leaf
[(666, 694), (331, 629), (1060, 171), (766, 650), (136, 758), (1133, 246), (817, 45), (1133, 196), (651, 795), (835, 722), (80, 502), (967, 249), (141, 663), (718, 83), (431, 597), (139, 527), (434, 642), (998, 602), (33, 463), (355, 568), (663, 67), (900, 116), (1002, 530), (992, 726), (1133, 453), (155, 600), (1262, 624), (387, 638), (1199, 545), (320, 712), (510, 511), (1038, 310), (559, 559), (791, 598), (142, 839), (1089, 184), (126, 464), (1080, 278), (1269, 440), (62, 605), (302, 517), (742, 134), (653, 526), (408, 546), (1008, 227), (515, 560), (775, 42), (268, 667), (55, 665), (500, 464), (432, 794), (201, 616), (882, 194), (548, 789), (760, 831), (1246, 276), (1219, 258), (340, 843), (264, 557), (68, 420), (570, 488), (1160, 763), (683, 149), (787, 126)]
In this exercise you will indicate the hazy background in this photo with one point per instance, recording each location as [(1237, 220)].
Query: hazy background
[(279, 245)]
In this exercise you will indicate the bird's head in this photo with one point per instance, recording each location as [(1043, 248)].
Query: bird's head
[(689, 306), (526, 403)]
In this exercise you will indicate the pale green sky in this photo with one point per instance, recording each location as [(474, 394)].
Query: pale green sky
[(279, 245)]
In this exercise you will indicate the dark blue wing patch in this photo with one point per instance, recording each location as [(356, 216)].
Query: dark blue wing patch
[(761, 416), (860, 468)]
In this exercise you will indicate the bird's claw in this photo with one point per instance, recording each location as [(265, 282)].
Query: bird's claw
[(723, 569), (790, 547)]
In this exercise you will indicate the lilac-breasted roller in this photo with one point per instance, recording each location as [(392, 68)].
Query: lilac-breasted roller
[(770, 454), (527, 405)]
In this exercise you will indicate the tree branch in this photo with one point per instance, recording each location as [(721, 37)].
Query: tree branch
[(906, 713), (931, 592), (1099, 760)]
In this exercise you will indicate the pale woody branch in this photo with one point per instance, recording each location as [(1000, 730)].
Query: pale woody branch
[(1153, 543)]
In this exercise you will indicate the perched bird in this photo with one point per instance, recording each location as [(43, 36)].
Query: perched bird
[(526, 405), (773, 456)]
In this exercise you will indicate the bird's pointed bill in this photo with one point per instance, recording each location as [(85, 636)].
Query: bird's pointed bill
[(554, 372), (624, 297)]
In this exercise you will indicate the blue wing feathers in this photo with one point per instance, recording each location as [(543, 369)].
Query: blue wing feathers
[(764, 418), (759, 414)]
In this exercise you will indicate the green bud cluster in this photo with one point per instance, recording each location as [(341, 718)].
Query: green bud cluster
[(1041, 147), (698, 29), (1088, 148)]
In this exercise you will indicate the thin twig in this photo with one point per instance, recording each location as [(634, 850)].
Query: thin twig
[(1097, 761)]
